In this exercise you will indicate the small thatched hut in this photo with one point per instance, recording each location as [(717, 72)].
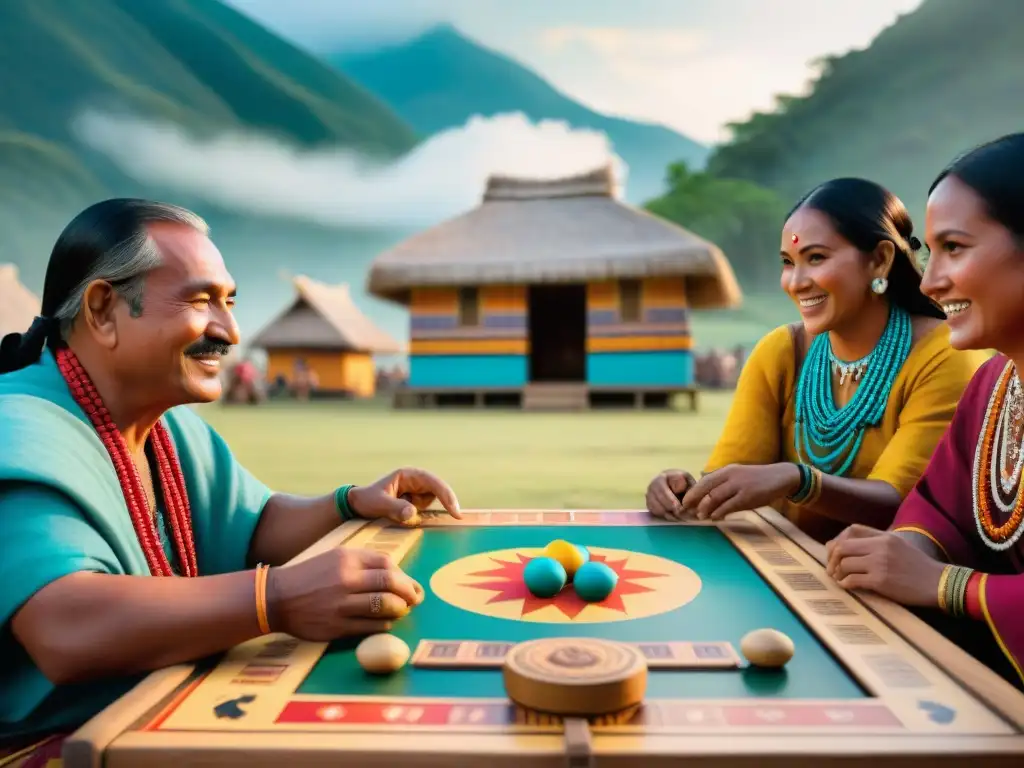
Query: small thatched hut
[(326, 334), (552, 294), (18, 305)]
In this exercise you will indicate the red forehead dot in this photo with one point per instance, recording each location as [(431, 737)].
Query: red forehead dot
[(796, 239)]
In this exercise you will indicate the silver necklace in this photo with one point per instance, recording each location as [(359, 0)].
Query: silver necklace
[(856, 369)]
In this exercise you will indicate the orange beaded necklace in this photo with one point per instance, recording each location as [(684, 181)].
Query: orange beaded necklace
[(988, 489)]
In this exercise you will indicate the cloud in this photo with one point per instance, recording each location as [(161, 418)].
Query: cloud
[(442, 177), (628, 43)]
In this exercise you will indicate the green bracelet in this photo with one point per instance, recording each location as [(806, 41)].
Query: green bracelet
[(806, 484), (341, 502)]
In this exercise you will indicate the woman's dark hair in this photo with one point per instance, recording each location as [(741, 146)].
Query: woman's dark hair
[(995, 171), (107, 241), (865, 214)]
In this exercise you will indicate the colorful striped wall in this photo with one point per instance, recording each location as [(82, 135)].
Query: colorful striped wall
[(654, 351), (491, 354)]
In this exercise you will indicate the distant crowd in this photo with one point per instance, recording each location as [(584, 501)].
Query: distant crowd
[(719, 369), (245, 382)]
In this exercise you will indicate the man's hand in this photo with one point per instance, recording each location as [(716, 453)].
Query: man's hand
[(343, 592), (401, 496), (662, 500)]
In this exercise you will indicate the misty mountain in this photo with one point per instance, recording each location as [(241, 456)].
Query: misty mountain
[(441, 79), (938, 81), (197, 64)]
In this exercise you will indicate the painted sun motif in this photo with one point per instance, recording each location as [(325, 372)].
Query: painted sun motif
[(492, 584), (507, 583)]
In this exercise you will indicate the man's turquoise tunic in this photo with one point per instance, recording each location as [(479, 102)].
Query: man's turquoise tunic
[(62, 511)]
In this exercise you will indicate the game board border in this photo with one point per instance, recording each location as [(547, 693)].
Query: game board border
[(120, 728)]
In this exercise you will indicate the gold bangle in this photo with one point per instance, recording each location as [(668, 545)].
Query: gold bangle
[(815, 486), (942, 587), (954, 589), (261, 597)]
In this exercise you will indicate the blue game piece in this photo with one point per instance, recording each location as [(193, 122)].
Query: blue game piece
[(544, 576), (595, 581)]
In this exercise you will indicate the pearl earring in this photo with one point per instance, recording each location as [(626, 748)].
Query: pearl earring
[(879, 284)]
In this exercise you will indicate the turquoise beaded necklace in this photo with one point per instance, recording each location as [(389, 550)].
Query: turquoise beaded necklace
[(837, 433)]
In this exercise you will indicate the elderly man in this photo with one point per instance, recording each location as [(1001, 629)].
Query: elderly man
[(108, 481)]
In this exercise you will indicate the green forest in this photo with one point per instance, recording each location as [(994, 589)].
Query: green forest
[(939, 81)]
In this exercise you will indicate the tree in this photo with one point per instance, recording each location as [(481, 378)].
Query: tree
[(741, 218)]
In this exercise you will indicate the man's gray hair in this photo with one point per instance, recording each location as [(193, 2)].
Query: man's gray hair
[(126, 264)]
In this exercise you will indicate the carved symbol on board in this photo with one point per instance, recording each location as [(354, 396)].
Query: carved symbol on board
[(656, 651), (231, 709), (709, 651), (938, 713)]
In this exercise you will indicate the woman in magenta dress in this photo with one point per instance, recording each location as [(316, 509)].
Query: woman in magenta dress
[(956, 547)]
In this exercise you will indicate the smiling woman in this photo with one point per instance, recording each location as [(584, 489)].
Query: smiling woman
[(834, 418), (957, 544)]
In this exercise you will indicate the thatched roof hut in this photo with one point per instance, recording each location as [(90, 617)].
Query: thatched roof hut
[(324, 317), (18, 305), (323, 342), (567, 230)]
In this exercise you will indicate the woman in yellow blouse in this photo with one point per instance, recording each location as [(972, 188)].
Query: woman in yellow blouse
[(835, 418)]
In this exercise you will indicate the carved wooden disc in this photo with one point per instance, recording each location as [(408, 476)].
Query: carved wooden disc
[(575, 676)]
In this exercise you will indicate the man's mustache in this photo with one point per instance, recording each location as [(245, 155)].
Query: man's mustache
[(207, 346)]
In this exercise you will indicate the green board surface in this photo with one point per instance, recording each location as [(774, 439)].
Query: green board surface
[(734, 599)]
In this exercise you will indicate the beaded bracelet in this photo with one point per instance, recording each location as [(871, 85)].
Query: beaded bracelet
[(805, 484), (810, 485), (953, 589), (262, 571), (341, 502)]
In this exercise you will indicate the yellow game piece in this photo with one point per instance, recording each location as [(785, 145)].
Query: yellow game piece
[(568, 555), (767, 648), (382, 654)]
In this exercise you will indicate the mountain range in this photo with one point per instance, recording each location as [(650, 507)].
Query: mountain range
[(937, 81), (205, 67), (441, 79), (941, 79), (197, 64)]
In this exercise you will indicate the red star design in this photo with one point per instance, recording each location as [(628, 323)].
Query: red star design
[(508, 584)]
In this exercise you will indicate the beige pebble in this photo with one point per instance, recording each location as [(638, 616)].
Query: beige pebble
[(767, 648), (382, 654)]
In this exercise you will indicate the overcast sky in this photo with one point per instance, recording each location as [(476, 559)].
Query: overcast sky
[(694, 65)]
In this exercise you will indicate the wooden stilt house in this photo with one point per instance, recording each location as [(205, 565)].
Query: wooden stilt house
[(552, 294)]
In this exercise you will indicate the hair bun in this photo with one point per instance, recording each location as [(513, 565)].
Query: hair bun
[(18, 350), (914, 243)]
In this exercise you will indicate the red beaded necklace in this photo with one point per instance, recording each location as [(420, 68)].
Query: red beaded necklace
[(171, 480)]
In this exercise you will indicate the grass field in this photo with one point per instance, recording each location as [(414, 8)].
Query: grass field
[(491, 458)]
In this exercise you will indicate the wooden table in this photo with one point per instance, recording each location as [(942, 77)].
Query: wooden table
[(870, 685)]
